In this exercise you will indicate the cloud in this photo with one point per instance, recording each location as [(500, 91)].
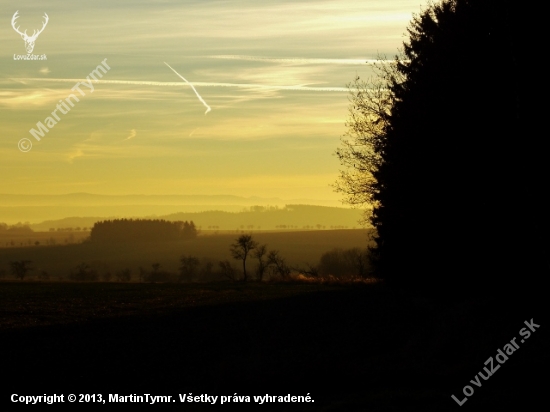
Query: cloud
[(20, 99), (74, 154), (131, 135)]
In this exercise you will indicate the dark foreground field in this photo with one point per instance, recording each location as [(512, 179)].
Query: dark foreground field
[(350, 347)]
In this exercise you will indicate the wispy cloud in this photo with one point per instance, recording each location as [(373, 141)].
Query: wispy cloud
[(74, 154), (274, 72), (298, 87), (131, 135)]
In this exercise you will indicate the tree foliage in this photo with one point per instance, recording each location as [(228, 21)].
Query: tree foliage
[(84, 273), (132, 230), (188, 268), (438, 151), (124, 275), (348, 263), (20, 268)]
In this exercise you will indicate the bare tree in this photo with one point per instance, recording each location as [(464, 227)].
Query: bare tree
[(205, 272), (309, 271), (19, 268), (359, 260), (259, 254), (241, 249), (345, 263), (124, 275), (227, 269), (278, 264), (362, 144), (142, 274), (43, 275), (188, 268), (84, 273)]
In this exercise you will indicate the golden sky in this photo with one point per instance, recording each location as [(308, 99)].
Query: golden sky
[(273, 73)]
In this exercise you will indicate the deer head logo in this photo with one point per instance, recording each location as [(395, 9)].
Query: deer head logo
[(29, 40)]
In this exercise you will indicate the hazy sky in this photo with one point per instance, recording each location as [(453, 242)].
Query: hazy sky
[(274, 74)]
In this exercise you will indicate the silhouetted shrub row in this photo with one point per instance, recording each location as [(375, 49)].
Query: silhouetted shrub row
[(84, 273), (17, 228), (125, 230), (340, 263)]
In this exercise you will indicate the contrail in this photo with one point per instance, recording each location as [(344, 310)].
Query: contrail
[(249, 86), (195, 90), (305, 60)]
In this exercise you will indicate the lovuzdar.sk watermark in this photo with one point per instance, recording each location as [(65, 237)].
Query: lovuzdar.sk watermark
[(501, 357), (29, 40), (30, 57)]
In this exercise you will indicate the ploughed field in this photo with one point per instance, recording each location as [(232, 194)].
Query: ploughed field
[(351, 347)]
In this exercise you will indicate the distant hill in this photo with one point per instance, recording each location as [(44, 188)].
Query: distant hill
[(39, 208), (253, 218), (288, 217)]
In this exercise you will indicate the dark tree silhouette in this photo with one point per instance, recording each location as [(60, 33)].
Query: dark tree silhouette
[(432, 146), (188, 268), (240, 250), (84, 273), (259, 253), (158, 275), (348, 263), (227, 270), (206, 272), (20, 268), (132, 230), (124, 275), (278, 265)]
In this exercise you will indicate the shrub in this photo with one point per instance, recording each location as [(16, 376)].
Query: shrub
[(227, 270), (84, 273), (341, 263), (124, 275)]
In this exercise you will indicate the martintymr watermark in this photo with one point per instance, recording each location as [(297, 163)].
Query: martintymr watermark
[(501, 357), (62, 107)]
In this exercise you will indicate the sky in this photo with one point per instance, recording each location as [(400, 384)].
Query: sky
[(269, 110)]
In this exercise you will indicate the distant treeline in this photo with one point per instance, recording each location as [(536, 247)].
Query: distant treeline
[(307, 217), (17, 228), (127, 230)]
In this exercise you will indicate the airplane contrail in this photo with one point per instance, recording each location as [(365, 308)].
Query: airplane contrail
[(298, 60), (249, 86), (195, 90)]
